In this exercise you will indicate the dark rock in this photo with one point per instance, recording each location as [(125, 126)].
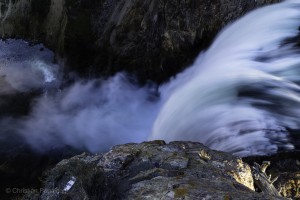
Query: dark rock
[(286, 166), (157, 39), (152, 170), (153, 39), (21, 168)]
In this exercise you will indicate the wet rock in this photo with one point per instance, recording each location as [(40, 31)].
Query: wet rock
[(152, 170)]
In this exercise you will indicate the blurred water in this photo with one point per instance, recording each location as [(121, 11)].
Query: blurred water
[(241, 95)]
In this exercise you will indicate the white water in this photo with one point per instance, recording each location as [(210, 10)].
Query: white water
[(206, 105), (24, 67), (239, 96)]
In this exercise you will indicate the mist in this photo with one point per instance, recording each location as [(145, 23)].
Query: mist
[(241, 95), (92, 115)]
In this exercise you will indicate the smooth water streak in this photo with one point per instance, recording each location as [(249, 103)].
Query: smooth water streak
[(241, 95)]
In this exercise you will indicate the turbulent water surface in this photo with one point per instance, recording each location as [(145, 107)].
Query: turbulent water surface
[(241, 95)]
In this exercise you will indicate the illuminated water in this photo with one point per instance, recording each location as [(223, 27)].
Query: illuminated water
[(241, 95)]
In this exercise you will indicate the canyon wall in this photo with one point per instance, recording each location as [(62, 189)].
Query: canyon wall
[(154, 39)]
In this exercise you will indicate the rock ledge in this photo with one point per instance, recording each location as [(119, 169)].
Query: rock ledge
[(152, 170)]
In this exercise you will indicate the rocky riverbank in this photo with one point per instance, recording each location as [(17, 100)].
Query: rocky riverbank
[(156, 170)]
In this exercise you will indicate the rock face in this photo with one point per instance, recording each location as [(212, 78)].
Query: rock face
[(154, 39), (151, 170)]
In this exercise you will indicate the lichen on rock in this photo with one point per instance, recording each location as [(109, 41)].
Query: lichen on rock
[(153, 170)]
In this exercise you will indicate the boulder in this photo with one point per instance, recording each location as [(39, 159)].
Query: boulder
[(151, 170)]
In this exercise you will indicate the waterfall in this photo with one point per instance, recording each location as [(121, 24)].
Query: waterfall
[(241, 95)]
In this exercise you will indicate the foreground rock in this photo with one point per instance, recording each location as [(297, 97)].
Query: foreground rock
[(152, 170), (154, 39)]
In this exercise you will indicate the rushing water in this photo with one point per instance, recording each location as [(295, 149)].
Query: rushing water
[(241, 95)]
